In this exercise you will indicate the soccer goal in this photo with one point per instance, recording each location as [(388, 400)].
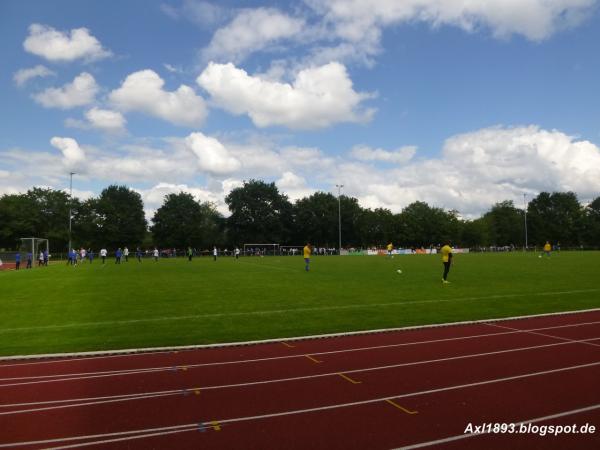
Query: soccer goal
[(261, 249), (34, 246)]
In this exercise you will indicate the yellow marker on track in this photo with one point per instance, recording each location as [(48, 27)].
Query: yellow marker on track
[(396, 405), (347, 378), (315, 360), (215, 425)]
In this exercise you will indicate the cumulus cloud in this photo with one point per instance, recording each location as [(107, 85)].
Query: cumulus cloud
[(213, 156), (251, 30), (55, 45), (319, 97), (534, 19), (106, 120), (22, 76), (73, 155), (81, 91), (399, 156), (143, 91)]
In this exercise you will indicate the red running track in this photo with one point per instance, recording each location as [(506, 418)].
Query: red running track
[(413, 388)]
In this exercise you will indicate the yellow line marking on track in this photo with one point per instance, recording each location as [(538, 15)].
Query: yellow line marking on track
[(407, 411), (315, 360), (288, 345), (215, 425), (197, 391), (347, 378)]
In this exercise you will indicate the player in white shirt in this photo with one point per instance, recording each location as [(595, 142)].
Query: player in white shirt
[(103, 254), (126, 254), (214, 253), (155, 254), (82, 254), (237, 253)]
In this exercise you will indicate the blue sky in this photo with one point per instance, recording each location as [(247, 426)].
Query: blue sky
[(458, 104)]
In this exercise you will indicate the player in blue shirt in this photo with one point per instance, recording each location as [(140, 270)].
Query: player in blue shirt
[(29, 260), (118, 255), (17, 261)]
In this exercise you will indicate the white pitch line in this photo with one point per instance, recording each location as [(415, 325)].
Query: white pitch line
[(102, 374), (290, 310), (523, 422), (150, 395), (77, 356), (208, 424)]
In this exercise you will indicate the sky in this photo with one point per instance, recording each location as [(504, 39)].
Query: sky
[(457, 103)]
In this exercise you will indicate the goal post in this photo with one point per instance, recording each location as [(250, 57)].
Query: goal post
[(34, 246), (261, 249)]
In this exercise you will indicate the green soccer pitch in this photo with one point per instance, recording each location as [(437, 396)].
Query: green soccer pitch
[(175, 302)]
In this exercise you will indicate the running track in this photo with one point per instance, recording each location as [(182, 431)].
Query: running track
[(413, 388)]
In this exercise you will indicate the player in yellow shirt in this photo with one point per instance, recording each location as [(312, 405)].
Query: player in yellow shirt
[(446, 252), (547, 248), (390, 247), (307, 253)]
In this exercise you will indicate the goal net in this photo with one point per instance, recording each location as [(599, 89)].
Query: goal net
[(261, 249), (35, 246)]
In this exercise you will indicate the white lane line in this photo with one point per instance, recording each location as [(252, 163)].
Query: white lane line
[(108, 373), (523, 422), (150, 350), (150, 395), (208, 424), (534, 332), (291, 310)]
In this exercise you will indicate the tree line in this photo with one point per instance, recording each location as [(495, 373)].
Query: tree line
[(260, 213)]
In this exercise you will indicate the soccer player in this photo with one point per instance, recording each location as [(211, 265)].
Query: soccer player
[(82, 254), (103, 254), (237, 253), (118, 255), (29, 260), (547, 249), (190, 254), (138, 254), (126, 254), (90, 254), (390, 247), (17, 261), (155, 254), (446, 252), (41, 259), (214, 253), (307, 253), (46, 257)]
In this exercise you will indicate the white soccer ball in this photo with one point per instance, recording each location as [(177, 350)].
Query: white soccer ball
[(399, 271), (539, 256)]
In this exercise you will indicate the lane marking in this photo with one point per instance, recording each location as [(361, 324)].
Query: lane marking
[(543, 334), (524, 422), (99, 374), (193, 426), (149, 395), (407, 411), (288, 345), (315, 360), (292, 310), (349, 379)]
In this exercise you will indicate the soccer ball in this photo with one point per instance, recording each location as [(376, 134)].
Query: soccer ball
[(539, 256), (399, 271)]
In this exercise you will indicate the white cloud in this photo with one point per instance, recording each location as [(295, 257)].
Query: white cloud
[(22, 76), (73, 156), (251, 30), (105, 120), (55, 45), (399, 156), (534, 19), (213, 157), (319, 97), (81, 91), (143, 91)]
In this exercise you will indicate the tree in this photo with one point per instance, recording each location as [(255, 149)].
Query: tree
[(505, 224), (556, 217), (259, 214), (120, 217), (316, 220), (476, 233), (423, 225), (592, 223), (181, 221)]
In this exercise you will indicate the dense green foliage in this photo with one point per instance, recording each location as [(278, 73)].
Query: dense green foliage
[(260, 213), (175, 302)]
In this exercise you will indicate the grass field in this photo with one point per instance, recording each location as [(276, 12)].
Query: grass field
[(174, 302)]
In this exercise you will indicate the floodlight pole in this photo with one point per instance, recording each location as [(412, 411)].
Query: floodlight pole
[(70, 206), (339, 186), (525, 216)]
